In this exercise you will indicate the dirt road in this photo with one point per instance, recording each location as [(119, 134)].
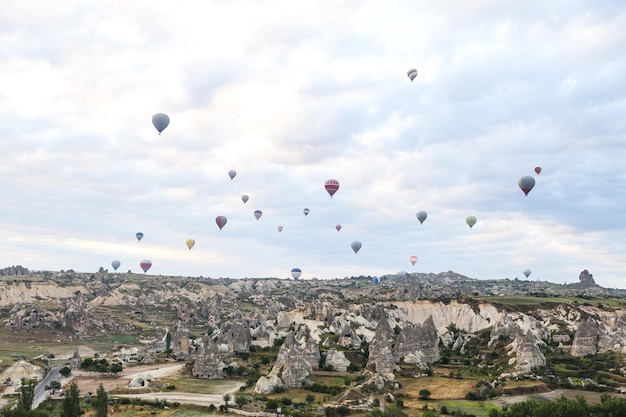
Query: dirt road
[(88, 382)]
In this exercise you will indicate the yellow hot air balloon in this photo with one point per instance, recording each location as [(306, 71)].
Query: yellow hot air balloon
[(190, 243)]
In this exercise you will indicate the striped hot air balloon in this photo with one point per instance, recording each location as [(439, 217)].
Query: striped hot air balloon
[(471, 221), (331, 187)]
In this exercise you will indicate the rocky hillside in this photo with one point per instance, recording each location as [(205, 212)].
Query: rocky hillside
[(407, 321)]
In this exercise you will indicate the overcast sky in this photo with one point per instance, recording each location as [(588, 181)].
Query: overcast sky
[(290, 94)]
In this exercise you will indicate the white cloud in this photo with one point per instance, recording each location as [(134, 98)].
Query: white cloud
[(291, 95)]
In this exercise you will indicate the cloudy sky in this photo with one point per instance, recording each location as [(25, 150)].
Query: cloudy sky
[(290, 94)]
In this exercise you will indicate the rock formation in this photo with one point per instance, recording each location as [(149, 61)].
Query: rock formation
[(586, 278), (336, 361), (291, 365), (586, 338), (418, 344)]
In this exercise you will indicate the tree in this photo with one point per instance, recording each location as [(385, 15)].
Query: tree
[(241, 400), (271, 404), (424, 394), (65, 371), (168, 340), (226, 398), (101, 402), (7, 411), (71, 402), (310, 399), (27, 393), (116, 368), (391, 411)]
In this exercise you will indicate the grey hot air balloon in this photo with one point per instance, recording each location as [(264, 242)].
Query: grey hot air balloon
[(412, 73), (421, 216), (471, 221), (258, 214), (232, 173), (526, 183), (356, 246), (244, 198), (115, 264), (160, 121), (527, 272)]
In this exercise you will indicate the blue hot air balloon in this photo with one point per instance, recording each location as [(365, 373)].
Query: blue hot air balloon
[(139, 235), (160, 121), (115, 264)]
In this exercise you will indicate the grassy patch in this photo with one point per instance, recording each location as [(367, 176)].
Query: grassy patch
[(441, 388), (477, 408), (201, 386)]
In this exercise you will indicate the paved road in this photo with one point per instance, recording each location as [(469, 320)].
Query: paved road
[(42, 394)]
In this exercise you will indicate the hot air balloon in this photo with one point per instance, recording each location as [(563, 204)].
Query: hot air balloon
[(115, 264), (258, 214), (190, 243), (338, 227), (221, 221), (245, 198), (280, 229), (145, 265), (421, 216), (356, 245), (537, 170), (296, 272), (526, 183), (471, 221), (375, 280), (306, 211), (412, 73), (413, 259), (527, 272), (331, 187), (139, 235), (160, 121), (232, 173)]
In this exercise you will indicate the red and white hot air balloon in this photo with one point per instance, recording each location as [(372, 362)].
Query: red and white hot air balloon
[(331, 186), (145, 265)]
